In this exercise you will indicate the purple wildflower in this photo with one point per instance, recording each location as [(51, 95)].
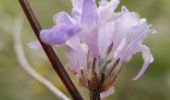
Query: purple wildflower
[(99, 40)]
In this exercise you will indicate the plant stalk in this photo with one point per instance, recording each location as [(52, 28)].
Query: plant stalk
[(54, 60), (95, 95)]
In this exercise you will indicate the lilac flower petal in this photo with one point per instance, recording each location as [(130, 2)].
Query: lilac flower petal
[(111, 5), (77, 9), (148, 58), (107, 9), (59, 34), (77, 4), (71, 54), (34, 45), (140, 31), (90, 38), (127, 21), (124, 25), (107, 92), (143, 69), (114, 4), (74, 43), (76, 54), (103, 2), (73, 60), (105, 40), (135, 37), (119, 50), (63, 17), (89, 13)]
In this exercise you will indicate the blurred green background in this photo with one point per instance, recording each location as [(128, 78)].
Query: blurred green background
[(16, 84)]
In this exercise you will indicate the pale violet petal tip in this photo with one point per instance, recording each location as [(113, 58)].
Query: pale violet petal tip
[(147, 57), (142, 71), (34, 45), (62, 17), (115, 4), (107, 92), (89, 12)]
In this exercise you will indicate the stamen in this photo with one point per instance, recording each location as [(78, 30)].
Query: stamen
[(102, 78), (94, 80), (93, 65), (110, 48), (114, 65), (89, 85)]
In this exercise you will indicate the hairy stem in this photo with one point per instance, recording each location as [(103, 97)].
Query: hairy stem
[(58, 67)]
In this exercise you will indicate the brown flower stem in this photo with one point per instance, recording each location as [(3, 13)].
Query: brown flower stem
[(95, 95), (95, 92), (58, 67)]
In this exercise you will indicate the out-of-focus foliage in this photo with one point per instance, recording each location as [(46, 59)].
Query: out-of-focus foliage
[(15, 84)]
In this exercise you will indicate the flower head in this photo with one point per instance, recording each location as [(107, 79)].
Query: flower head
[(99, 40)]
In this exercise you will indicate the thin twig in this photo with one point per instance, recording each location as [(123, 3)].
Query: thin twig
[(26, 66), (50, 52)]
